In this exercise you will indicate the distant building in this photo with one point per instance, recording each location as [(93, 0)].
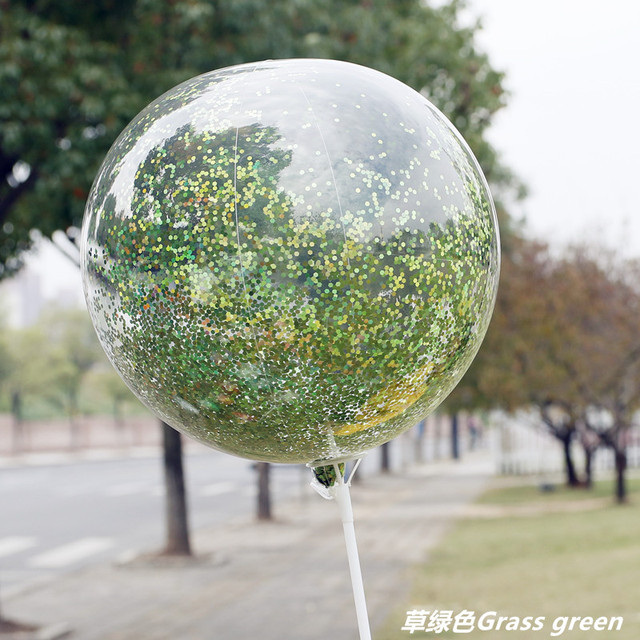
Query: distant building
[(48, 277), (21, 299)]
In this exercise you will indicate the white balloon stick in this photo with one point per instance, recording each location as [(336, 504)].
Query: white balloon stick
[(342, 496)]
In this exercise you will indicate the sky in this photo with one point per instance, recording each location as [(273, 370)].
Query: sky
[(571, 129)]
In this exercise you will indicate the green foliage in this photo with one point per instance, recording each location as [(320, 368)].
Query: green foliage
[(5, 360), (72, 351), (564, 331), (73, 74), (104, 393), (326, 475), (64, 100), (27, 355), (57, 367)]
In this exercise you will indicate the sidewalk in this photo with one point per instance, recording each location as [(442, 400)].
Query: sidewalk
[(285, 580), (87, 434)]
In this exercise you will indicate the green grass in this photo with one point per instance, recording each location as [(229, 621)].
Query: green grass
[(532, 494), (584, 562)]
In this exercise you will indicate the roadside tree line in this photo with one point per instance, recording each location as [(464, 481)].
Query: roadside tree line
[(565, 341), (563, 338), (56, 368), (74, 75)]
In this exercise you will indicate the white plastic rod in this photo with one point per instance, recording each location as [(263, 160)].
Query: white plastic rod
[(343, 498)]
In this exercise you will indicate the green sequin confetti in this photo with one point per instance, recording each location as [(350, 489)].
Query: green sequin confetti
[(326, 475), (291, 261)]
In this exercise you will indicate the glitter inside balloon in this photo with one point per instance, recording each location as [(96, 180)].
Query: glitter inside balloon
[(291, 261)]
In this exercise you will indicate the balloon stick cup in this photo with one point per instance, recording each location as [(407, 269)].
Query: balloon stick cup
[(340, 492)]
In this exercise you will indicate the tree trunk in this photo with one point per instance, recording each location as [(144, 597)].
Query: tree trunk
[(118, 414), (569, 466), (74, 427), (176, 503), (385, 463), (455, 437), (264, 491), (420, 433), (437, 437), (588, 467), (621, 468), (18, 427)]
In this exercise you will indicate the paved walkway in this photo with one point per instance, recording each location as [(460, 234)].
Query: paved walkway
[(285, 580)]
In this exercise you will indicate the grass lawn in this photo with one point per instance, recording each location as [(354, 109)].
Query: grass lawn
[(528, 553)]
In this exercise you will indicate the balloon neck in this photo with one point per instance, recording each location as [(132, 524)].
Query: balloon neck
[(327, 475)]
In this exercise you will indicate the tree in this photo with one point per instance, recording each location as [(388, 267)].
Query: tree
[(64, 100), (474, 392), (73, 75), (597, 348), (72, 352), (564, 339), (6, 365), (178, 539), (515, 365), (118, 393), (385, 462), (263, 511), (29, 372), (611, 285), (49, 360)]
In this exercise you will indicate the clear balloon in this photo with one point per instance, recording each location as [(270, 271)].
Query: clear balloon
[(292, 260)]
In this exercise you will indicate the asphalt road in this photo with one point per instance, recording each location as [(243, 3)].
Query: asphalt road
[(288, 579), (55, 519)]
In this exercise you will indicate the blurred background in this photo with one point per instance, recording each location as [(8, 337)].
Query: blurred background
[(545, 95)]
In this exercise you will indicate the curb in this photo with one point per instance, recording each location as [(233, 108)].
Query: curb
[(50, 632)]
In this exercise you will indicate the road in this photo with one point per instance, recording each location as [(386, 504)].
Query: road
[(58, 518), (284, 580)]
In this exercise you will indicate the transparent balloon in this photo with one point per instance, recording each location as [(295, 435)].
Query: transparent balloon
[(292, 260)]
